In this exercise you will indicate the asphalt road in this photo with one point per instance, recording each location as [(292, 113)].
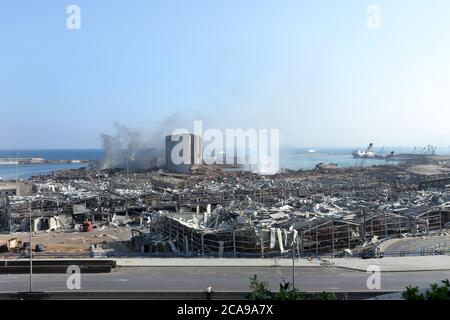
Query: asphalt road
[(221, 279)]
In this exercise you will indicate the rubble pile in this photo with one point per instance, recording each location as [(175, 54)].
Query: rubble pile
[(236, 213)]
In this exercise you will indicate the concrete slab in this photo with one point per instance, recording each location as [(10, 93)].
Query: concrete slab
[(411, 244), (392, 264), (425, 263), (215, 262)]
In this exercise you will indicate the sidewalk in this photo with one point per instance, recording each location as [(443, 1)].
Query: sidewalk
[(423, 263), (387, 264), (214, 262)]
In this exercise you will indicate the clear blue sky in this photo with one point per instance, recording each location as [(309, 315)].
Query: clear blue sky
[(310, 68)]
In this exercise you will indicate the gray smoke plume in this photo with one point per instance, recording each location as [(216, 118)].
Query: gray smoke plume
[(142, 149)]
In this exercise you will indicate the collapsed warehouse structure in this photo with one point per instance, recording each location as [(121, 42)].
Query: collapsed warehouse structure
[(305, 237), (217, 213)]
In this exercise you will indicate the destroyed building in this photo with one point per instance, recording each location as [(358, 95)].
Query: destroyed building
[(218, 213), (182, 152)]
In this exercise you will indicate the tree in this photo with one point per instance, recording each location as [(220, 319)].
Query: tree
[(260, 290), (436, 293)]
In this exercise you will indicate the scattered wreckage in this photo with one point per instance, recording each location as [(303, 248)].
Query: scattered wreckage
[(235, 214)]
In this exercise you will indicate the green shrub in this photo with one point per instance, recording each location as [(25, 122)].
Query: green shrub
[(327, 296), (412, 293), (436, 293), (287, 292), (260, 290)]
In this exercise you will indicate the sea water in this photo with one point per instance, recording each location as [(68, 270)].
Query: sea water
[(293, 158), (26, 171)]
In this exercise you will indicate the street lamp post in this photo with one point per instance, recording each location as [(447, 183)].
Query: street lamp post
[(128, 168), (293, 267), (128, 165), (294, 240), (31, 249), (17, 173)]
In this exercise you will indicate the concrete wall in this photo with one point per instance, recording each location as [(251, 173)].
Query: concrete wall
[(185, 143), (7, 192), (46, 223), (8, 188)]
